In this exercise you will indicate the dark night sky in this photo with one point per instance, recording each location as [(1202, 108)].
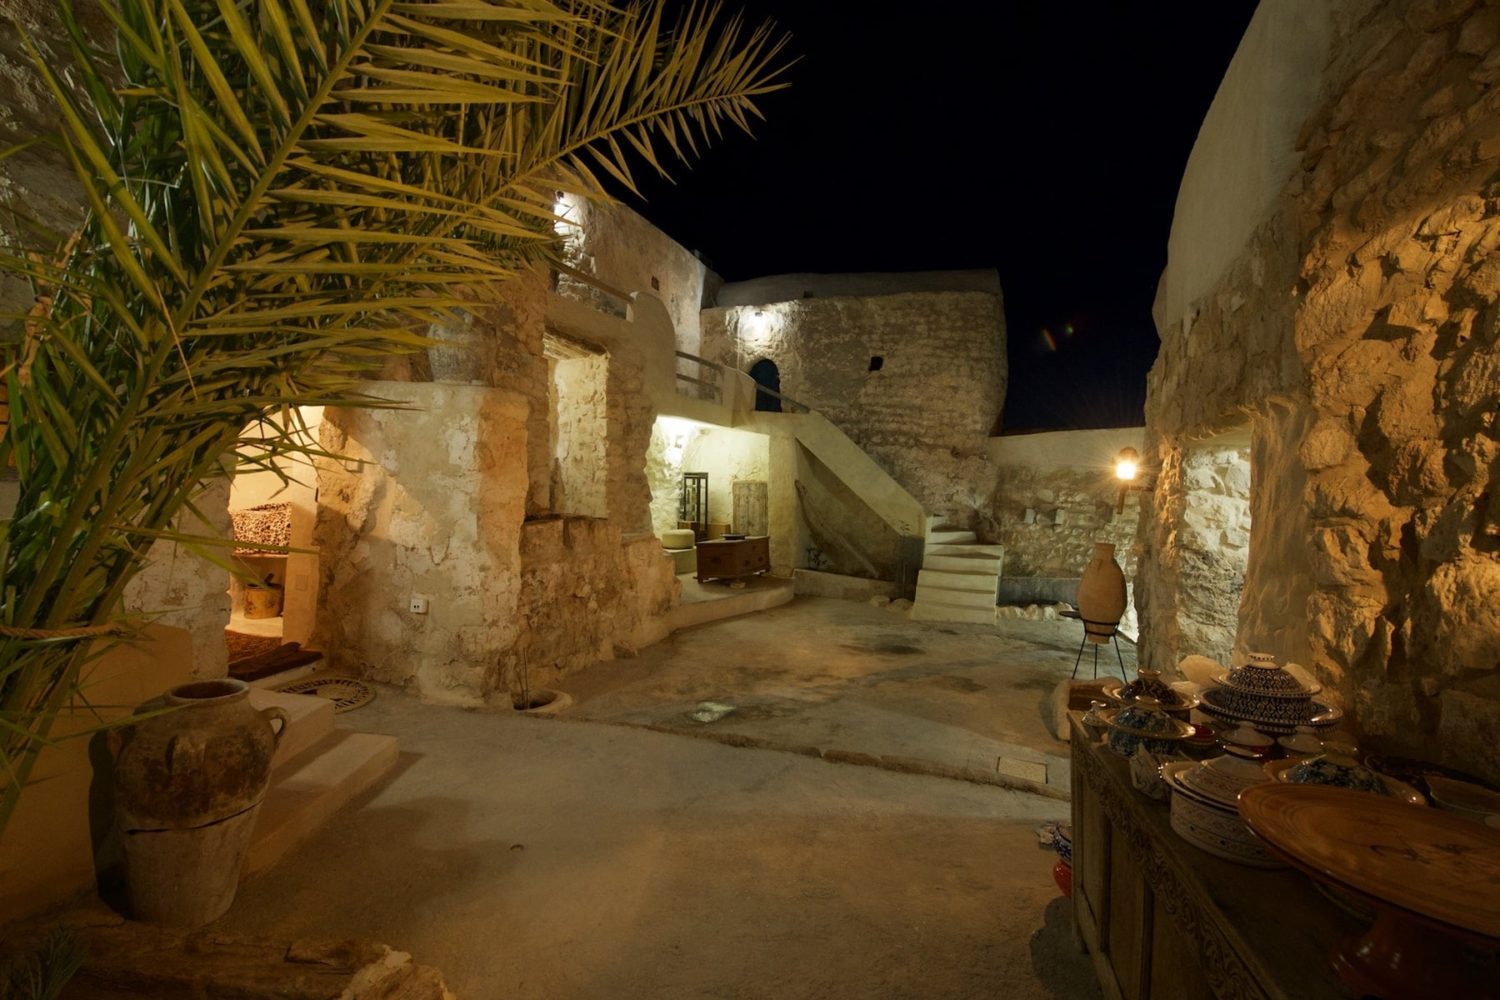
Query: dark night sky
[(1043, 139)]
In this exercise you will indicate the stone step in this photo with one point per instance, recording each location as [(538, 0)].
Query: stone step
[(951, 537), (931, 611), (309, 720), (307, 791), (959, 598), (972, 563), (272, 681), (975, 549), (983, 582)]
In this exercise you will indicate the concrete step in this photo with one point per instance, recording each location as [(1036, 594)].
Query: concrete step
[(984, 583), (973, 563), (959, 598), (951, 537), (307, 791), (931, 611), (309, 720)]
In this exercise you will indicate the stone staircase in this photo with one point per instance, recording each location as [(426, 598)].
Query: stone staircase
[(318, 769), (959, 578)]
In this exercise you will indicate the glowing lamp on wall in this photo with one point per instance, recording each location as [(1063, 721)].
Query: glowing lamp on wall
[(1128, 473)]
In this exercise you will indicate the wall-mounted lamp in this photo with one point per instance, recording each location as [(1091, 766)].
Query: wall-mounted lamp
[(1128, 472)]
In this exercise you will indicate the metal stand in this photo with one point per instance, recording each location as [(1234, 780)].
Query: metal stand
[(1114, 636)]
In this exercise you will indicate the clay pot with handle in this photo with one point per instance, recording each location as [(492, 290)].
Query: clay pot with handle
[(188, 785)]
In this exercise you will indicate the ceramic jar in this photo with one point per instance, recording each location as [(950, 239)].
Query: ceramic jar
[(188, 784), (1204, 811), (1101, 594)]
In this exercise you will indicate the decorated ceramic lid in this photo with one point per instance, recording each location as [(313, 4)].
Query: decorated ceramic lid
[(1263, 676), (1148, 683), (1222, 778), (1145, 717), (1337, 771)]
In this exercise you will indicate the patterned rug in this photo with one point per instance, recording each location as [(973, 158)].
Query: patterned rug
[(346, 693)]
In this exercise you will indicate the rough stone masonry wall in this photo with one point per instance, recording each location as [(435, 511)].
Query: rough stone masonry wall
[(1065, 480), (425, 501), (1360, 331), (926, 415), (448, 523)]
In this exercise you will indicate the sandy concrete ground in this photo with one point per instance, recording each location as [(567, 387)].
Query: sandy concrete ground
[(821, 675), (530, 858)]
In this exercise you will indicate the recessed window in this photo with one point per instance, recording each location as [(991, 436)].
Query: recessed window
[(877, 362)]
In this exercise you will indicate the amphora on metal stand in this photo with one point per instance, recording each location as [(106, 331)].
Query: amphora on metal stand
[(188, 785), (1101, 603)]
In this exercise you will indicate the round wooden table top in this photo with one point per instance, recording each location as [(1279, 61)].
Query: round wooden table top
[(1428, 862)]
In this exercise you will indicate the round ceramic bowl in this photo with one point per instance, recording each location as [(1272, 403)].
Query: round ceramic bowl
[(1258, 706), (1464, 798), (1213, 828), (1302, 743), (1333, 771)]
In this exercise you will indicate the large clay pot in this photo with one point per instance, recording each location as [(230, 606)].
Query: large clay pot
[(1101, 594), (188, 785)]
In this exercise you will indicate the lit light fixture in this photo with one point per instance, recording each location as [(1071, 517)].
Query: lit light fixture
[(1128, 471)]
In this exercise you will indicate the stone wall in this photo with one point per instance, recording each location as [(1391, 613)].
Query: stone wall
[(1359, 332), (1055, 496), (425, 501), (578, 465), (586, 595), (613, 244), (924, 410), (1213, 544)]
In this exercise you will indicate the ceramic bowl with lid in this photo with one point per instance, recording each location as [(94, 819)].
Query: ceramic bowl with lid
[(1144, 722), (1211, 826), (1339, 771), (1221, 779), (1148, 683)]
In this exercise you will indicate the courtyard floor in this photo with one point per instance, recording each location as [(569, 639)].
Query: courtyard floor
[(850, 681), (601, 855), (534, 858)]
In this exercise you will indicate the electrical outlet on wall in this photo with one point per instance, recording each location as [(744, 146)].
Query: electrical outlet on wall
[(418, 604)]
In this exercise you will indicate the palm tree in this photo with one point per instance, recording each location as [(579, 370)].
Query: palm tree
[(281, 194)]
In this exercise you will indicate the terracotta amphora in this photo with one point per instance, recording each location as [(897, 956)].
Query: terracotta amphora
[(188, 785), (1101, 594)]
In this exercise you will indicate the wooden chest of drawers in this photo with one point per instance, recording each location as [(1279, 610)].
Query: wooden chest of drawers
[(722, 559)]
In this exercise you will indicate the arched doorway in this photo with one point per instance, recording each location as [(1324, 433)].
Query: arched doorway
[(767, 376)]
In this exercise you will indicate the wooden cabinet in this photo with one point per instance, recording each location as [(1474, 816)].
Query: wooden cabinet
[(722, 559), (1164, 920)]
